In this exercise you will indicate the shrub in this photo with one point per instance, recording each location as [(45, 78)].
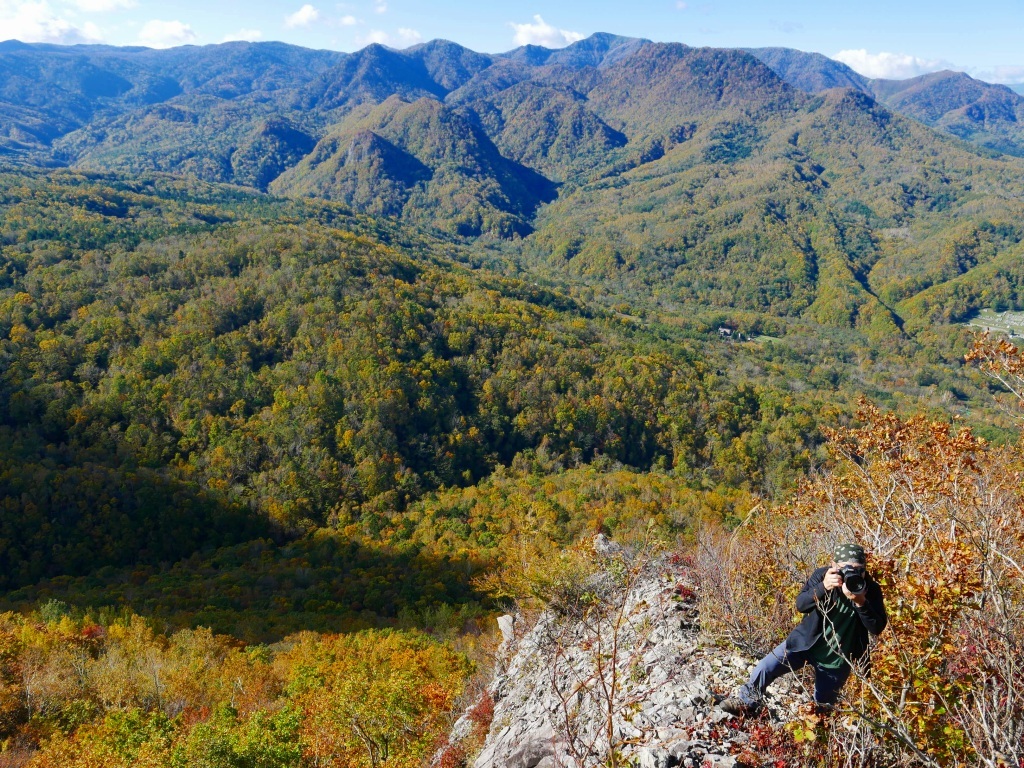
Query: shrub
[(481, 714), (453, 756)]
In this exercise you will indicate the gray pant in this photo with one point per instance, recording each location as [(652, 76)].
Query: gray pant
[(827, 682)]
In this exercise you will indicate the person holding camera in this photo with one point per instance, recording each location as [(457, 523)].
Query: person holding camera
[(842, 607)]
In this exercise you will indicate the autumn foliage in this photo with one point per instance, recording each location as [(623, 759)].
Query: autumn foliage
[(74, 694), (942, 515)]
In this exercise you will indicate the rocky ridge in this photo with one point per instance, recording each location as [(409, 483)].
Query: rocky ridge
[(554, 702)]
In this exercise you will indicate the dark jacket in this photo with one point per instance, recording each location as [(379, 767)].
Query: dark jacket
[(872, 614)]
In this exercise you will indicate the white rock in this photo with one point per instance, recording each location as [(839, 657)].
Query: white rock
[(507, 625), (669, 703), (652, 758)]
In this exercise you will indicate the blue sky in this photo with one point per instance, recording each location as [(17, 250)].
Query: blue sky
[(879, 39)]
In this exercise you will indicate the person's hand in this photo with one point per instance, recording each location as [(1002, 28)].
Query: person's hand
[(833, 579), (857, 600)]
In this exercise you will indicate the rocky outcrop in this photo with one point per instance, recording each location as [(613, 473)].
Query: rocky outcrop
[(636, 677)]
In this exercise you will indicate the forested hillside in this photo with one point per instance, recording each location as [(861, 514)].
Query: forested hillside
[(672, 174), (224, 409), (839, 211), (264, 371), (425, 162)]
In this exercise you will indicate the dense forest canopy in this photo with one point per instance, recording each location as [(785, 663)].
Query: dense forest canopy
[(266, 372)]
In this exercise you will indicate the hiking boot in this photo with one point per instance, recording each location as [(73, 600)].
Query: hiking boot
[(737, 707)]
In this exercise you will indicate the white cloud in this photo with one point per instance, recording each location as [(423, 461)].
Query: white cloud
[(892, 66), (409, 36), (542, 33), (307, 14), (374, 36), (166, 34), (1007, 73), (682, 5), (245, 35), (402, 39), (103, 6), (380, 6), (37, 22), (348, 21)]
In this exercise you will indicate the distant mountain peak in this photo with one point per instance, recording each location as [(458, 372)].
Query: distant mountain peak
[(439, 43), (985, 114), (811, 72), (449, 64), (599, 50), (14, 45)]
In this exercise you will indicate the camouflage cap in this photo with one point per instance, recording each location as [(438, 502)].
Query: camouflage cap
[(849, 553)]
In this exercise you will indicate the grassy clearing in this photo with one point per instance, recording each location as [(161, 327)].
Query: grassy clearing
[(1009, 322)]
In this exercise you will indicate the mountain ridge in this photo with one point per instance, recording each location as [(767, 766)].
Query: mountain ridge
[(986, 114), (576, 157), (107, 80), (454, 159)]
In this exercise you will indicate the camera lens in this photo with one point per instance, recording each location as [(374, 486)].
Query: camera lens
[(854, 579)]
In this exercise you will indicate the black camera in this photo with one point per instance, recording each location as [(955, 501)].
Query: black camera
[(854, 578)]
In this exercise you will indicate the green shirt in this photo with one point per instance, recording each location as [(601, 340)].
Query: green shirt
[(838, 632)]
